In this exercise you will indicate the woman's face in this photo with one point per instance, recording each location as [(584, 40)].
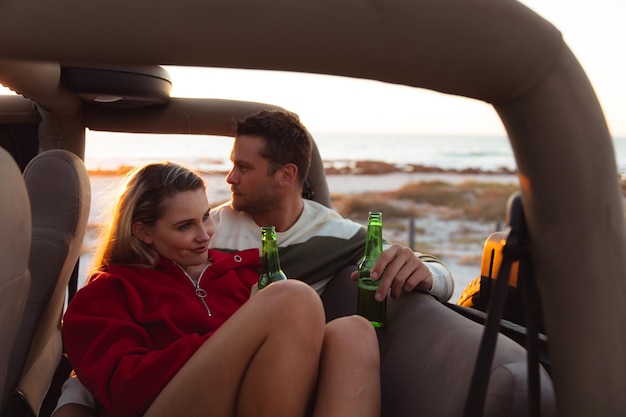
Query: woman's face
[(182, 234)]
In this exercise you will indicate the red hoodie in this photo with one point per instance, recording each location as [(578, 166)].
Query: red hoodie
[(130, 330)]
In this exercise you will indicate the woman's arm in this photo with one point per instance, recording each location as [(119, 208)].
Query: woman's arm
[(114, 355)]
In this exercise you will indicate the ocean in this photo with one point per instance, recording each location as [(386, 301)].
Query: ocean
[(110, 151)]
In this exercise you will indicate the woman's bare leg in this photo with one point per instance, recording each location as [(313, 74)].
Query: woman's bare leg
[(263, 361), (349, 380)]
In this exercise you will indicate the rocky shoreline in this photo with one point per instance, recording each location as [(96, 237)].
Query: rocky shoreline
[(366, 167), (380, 168)]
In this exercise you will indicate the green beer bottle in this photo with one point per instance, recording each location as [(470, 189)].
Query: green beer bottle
[(367, 306), (270, 264)]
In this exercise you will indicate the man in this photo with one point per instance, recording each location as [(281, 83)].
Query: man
[(271, 158)]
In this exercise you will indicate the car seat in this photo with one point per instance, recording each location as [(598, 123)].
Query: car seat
[(316, 186), (15, 234), (60, 196)]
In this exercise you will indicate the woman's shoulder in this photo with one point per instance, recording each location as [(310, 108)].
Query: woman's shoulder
[(111, 273), (118, 278), (100, 290), (116, 283)]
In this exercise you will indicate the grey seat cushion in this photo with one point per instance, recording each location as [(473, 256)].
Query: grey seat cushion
[(428, 354)]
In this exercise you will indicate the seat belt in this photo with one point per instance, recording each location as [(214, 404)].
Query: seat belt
[(517, 248)]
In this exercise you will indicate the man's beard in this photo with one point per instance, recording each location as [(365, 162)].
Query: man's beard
[(263, 200)]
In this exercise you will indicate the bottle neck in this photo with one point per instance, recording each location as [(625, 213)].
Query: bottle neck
[(269, 251), (374, 241), (269, 257)]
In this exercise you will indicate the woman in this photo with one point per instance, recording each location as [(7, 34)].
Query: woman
[(166, 326)]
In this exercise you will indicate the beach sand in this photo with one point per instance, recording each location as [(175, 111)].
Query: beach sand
[(457, 242)]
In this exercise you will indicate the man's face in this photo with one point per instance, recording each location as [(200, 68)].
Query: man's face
[(252, 188)]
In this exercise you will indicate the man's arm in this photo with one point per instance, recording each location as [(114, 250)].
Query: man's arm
[(75, 401), (443, 283)]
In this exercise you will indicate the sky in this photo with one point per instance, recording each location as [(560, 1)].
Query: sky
[(593, 29)]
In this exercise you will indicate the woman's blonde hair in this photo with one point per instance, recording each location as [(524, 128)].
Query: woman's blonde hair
[(140, 199)]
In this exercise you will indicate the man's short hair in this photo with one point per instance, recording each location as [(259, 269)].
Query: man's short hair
[(287, 141)]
